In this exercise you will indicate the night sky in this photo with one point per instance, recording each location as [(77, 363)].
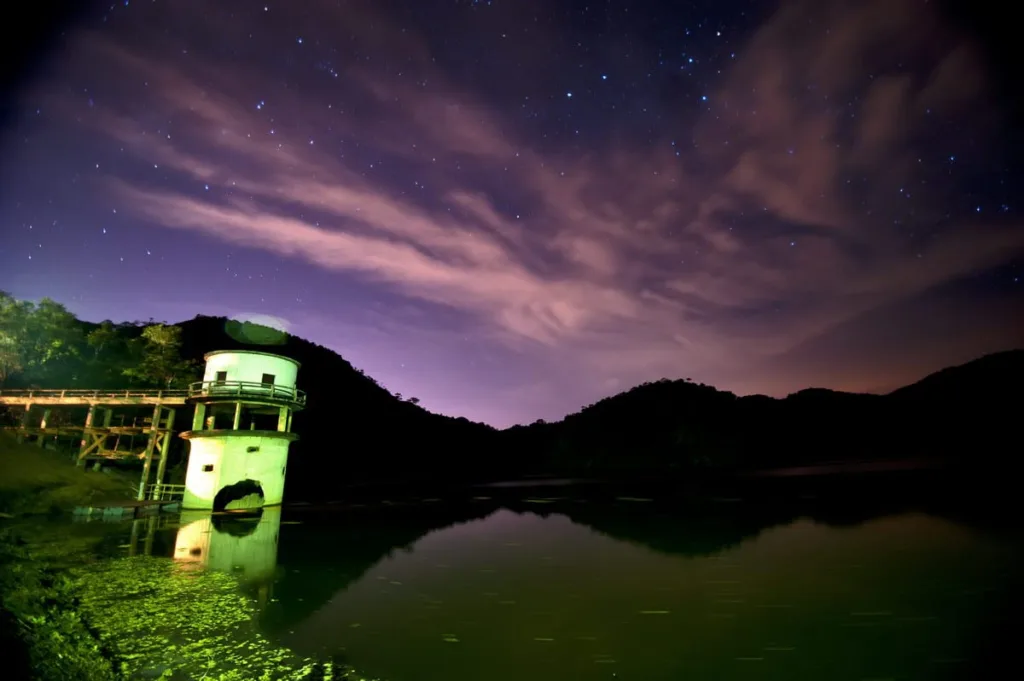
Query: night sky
[(511, 209)]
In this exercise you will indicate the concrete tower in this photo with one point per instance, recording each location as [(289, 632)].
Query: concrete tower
[(241, 430)]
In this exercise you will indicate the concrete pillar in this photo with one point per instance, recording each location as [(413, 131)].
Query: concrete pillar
[(150, 446), (42, 426), (150, 534), (161, 466), (133, 543), (25, 421), (199, 416), (282, 420), (238, 416), (86, 439)]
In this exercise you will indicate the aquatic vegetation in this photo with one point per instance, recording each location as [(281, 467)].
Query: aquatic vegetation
[(164, 620), (41, 633), (69, 617)]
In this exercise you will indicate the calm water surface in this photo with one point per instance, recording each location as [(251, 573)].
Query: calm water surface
[(567, 590)]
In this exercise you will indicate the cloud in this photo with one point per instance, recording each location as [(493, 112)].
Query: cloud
[(629, 259)]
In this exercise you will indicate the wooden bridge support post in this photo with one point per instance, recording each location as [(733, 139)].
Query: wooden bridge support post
[(42, 428), (108, 414), (165, 448), (150, 446), (90, 418), (25, 420)]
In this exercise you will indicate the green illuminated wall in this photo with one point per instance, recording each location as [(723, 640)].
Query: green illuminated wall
[(250, 367), (234, 457)]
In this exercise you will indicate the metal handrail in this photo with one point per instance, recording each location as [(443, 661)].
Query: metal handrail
[(145, 392), (246, 389), (158, 492)]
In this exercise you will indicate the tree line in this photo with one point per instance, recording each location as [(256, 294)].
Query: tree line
[(44, 345)]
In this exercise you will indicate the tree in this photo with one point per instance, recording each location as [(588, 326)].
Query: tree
[(10, 358), (414, 400), (101, 337), (161, 362), (13, 318), (42, 341)]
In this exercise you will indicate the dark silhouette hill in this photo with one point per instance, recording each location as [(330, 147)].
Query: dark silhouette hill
[(962, 414), (993, 376), (970, 412), (353, 430)]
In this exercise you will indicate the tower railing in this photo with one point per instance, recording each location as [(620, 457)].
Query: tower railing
[(246, 389)]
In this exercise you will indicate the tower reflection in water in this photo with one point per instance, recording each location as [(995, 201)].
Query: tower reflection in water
[(242, 545)]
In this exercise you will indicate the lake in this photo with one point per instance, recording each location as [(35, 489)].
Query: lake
[(558, 589)]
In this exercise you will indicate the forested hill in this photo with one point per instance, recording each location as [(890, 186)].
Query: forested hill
[(965, 414), (352, 428), (355, 431)]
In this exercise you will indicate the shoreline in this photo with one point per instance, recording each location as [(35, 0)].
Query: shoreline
[(64, 618)]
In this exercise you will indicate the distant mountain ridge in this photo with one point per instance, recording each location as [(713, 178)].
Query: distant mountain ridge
[(998, 369), (967, 411), (356, 431)]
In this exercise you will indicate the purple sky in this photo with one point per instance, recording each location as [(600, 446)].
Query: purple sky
[(512, 209)]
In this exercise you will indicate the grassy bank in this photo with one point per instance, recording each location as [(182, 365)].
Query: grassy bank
[(67, 616), (35, 480)]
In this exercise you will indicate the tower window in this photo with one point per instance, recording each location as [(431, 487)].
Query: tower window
[(268, 380), (208, 468), (252, 448), (222, 377)]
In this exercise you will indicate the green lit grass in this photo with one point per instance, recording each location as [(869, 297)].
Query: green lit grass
[(37, 480)]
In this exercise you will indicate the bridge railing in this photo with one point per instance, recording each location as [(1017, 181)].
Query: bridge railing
[(246, 389), (94, 394)]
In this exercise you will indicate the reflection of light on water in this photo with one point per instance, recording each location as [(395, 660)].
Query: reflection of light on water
[(192, 545), (245, 546), (572, 593)]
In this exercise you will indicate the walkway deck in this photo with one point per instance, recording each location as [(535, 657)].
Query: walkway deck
[(93, 397), (129, 509)]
